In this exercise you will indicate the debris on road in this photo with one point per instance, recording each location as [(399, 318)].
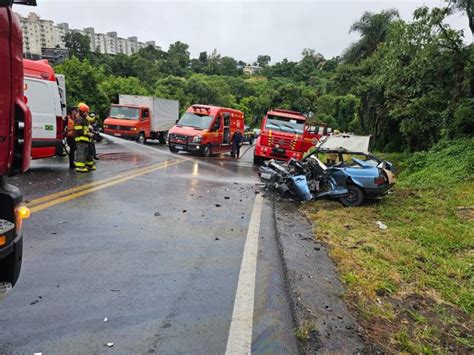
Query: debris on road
[(110, 345), (105, 319), (157, 214), (217, 238), (217, 205), (226, 198), (34, 302), (381, 225)]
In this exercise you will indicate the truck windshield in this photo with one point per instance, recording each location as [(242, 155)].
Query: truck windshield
[(123, 112), (195, 120), (283, 124)]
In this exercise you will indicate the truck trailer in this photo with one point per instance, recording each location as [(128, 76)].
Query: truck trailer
[(141, 118)]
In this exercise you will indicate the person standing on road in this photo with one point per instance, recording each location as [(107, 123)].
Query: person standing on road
[(71, 142), (82, 136), (237, 140), (92, 118)]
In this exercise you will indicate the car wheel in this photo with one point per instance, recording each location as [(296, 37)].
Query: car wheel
[(141, 138), (354, 198), (257, 160), (206, 151), (162, 139)]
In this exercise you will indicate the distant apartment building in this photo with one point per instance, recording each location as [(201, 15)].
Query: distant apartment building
[(39, 34)]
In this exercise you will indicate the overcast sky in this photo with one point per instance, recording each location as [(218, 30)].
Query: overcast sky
[(240, 29)]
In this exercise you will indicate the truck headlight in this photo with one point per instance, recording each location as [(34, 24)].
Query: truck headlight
[(133, 128), (106, 126), (197, 139)]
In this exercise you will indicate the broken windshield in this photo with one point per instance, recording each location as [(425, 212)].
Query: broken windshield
[(284, 124)]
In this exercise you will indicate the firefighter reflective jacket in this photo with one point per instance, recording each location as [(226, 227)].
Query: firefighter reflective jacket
[(70, 127), (81, 130)]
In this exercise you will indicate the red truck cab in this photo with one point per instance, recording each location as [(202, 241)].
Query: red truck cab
[(284, 135), (15, 143), (205, 130)]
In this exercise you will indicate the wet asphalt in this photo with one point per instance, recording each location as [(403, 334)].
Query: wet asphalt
[(158, 255)]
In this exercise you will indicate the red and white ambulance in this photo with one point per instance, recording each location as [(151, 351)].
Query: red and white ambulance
[(46, 95)]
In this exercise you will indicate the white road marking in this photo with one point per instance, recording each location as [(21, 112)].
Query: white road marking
[(240, 333)]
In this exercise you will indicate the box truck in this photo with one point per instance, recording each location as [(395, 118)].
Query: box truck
[(141, 118)]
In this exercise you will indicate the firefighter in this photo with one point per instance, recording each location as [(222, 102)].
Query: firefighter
[(71, 142), (82, 136), (92, 118), (237, 141)]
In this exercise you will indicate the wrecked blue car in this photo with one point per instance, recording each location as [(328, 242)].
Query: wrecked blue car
[(351, 182)]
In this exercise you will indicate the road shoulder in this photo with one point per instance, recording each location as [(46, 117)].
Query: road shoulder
[(323, 322)]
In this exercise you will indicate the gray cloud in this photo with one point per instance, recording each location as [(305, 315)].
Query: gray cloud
[(241, 29)]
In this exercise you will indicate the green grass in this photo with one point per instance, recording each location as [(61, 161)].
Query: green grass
[(415, 279)]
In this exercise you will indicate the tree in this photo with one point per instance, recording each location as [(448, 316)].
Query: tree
[(263, 60), (465, 6), (78, 44), (373, 29), (178, 58), (113, 86), (82, 82)]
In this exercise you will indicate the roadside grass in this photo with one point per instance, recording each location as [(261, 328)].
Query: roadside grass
[(410, 285)]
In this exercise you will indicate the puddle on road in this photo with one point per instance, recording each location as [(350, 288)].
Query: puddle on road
[(123, 157)]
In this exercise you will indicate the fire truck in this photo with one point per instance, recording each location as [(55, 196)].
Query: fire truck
[(15, 143), (285, 134)]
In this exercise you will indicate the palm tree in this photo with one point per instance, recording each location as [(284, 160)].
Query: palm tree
[(373, 29)]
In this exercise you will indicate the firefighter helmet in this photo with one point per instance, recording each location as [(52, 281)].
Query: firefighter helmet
[(83, 107)]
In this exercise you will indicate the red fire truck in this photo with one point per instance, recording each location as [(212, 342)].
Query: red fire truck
[(284, 135), (15, 143)]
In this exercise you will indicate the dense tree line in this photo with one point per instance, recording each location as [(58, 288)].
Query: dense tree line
[(408, 84)]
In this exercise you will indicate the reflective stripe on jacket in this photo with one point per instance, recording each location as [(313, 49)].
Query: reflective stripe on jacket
[(81, 130)]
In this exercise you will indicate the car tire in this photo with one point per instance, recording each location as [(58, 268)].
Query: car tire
[(206, 151), (173, 150), (354, 198), (141, 139)]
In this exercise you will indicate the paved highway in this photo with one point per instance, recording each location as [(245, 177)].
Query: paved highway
[(152, 253)]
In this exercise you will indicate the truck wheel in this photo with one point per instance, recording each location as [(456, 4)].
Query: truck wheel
[(162, 138), (173, 150), (251, 141), (354, 198), (11, 265), (206, 151), (141, 138)]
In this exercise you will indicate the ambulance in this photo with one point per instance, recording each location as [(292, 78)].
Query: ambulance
[(46, 97), (205, 130)]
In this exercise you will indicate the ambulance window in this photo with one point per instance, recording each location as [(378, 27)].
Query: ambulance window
[(39, 97)]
